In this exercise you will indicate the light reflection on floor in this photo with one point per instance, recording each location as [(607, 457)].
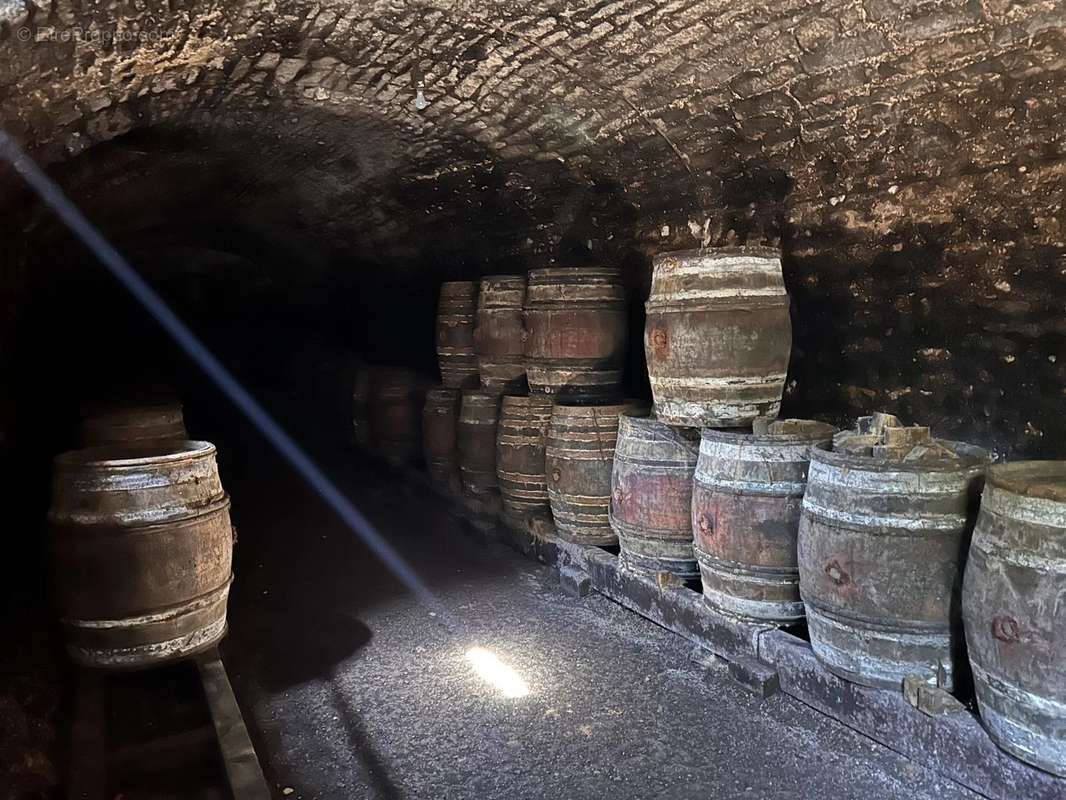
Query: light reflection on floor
[(493, 671)]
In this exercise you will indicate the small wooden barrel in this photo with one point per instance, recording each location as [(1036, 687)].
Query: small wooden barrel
[(161, 423), (1014, 608), (746, 501), (440, 421), (576, 324), (520, 441), (456, 316), (717, 336), (142, 548), (498, 336), (578, 459), (396, 399), (651, 495), (881, 549)]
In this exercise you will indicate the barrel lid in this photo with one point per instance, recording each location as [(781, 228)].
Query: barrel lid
[(574, 272), (135, 454), (1042, 479), (810, 431), (513, 280), (968, 457), (755, 251)]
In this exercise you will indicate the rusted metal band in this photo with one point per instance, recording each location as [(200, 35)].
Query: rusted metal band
[(188, 644), (752, 572)]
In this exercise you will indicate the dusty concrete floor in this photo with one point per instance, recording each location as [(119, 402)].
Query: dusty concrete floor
[(354, 690)]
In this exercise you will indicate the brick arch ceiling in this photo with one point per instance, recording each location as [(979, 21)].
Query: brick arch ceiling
[(908, 154)]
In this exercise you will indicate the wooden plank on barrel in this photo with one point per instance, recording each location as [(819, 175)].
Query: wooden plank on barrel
[(954, 745)]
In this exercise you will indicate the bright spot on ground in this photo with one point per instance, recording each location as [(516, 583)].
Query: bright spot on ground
[(493, 671)]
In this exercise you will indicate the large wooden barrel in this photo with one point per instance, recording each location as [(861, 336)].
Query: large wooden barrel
[(498, 336), (651, 495), (520, 441), (1014, 608), (396, 399), (746, 500), (881, 550), (478, 418), (578, 459), (142, 548), (456, 316), (162, 422), (717, 336), (575, 320), (440, 421)]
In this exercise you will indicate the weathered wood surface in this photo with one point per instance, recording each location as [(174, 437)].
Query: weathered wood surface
[(882, 546), (1014, 610)]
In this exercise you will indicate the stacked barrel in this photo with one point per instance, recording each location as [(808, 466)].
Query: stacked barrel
[(861, 534), (537, 437)]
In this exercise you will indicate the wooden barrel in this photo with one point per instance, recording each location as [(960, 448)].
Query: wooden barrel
[(576, 322), (651, 495), (396, 399), (746, 500), (520, 441), (498, 336), (717, 336), (478, 417), (361, 409), (456, 315), (162, 422), (578, 459), (1014, 608), (142, 548), (881, 549), (440, 421)]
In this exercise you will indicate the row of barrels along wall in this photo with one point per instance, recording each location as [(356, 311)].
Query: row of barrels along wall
[(140, 540), (871, 550)]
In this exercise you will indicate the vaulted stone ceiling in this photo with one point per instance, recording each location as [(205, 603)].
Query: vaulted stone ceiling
[(907, 155)]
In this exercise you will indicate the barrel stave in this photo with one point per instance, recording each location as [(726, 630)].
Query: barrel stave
[(578, 461), (520, 442), (718, 336), (141, 547), (881, 547), (746, 502), (1014, 618), (440, 420), (499, 334), (456, 318), (397, 397), (162, 422), (576, 327), (651, 487)]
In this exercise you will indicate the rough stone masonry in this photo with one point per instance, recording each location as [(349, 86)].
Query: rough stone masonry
[(907, 156)]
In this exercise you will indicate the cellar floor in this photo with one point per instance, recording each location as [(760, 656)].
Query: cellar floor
[(352, 689)]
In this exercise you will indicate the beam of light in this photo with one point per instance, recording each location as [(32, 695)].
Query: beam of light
[(493, 671), (71, 216)]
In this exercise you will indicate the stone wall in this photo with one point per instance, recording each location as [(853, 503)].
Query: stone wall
[(907, 156)]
